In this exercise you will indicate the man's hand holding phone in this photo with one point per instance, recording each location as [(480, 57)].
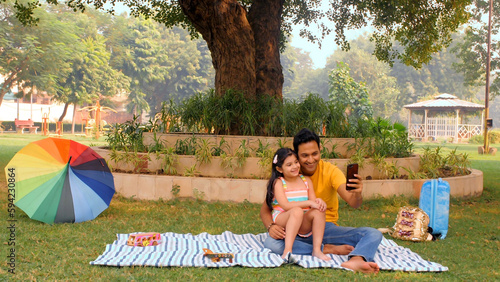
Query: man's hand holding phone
[(354, 182)]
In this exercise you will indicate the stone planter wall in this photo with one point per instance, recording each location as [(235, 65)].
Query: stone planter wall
[(155, 187), (244, 185), (251, 169)]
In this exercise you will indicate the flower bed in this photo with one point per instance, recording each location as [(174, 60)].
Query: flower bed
[(343, 146), (253, 168), (236, 168)]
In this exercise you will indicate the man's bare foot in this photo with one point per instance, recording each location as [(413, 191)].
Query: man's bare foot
[(321, 255), (358, 264), (337, 249)]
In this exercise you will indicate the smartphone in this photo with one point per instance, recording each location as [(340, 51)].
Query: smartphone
[(352, 169)]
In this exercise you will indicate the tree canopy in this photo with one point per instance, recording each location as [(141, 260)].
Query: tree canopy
[(77, 58), (34, 56), (244, 37), (472, 49)]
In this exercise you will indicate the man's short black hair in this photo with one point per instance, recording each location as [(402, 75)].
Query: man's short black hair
[(304, 136)]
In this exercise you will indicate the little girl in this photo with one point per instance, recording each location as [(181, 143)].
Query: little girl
[(294, 205)]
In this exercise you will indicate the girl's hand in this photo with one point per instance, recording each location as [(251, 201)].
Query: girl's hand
[(321, 204), (314, 204)]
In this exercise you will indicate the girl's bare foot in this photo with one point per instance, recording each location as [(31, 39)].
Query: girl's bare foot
[(285, 255), (321, 255)]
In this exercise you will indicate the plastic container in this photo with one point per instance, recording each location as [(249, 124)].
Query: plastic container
[(435, 201)]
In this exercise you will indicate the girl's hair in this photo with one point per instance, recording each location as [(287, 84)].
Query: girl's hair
[(278, 159)]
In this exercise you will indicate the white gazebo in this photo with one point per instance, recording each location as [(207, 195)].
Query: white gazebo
[(444, 117)]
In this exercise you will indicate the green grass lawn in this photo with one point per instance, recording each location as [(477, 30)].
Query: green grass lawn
[(63, 251)]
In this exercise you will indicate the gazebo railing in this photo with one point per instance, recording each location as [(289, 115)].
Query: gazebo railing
[(469, 130), (416, 131), (443, 128)]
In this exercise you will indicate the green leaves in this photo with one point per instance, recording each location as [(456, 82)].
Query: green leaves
[(35, 55), (420, 27), (472, 50), (349, 95), (434, 165)]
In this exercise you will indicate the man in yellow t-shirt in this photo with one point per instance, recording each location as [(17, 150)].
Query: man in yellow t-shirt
[(329, 183)]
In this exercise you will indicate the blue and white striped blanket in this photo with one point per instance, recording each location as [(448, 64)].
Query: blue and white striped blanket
[(248, 249)]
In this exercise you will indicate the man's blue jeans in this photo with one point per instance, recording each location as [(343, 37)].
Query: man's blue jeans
[(365, 241)]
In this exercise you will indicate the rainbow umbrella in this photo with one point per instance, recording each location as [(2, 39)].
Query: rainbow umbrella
[(60, 180)]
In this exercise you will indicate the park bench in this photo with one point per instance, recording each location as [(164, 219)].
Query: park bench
[(29, 124)]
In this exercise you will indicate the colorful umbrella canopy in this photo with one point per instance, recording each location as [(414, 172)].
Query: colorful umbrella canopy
[(60, 180)]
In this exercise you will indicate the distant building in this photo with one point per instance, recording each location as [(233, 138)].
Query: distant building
[(39, 104), (446, 116)]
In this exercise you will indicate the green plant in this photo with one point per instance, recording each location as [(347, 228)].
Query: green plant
[(393, 170), (390, 140), (431, 162), (221, 148), (138, 161), (126, 136), (359, 157), (158, 144), (414, 174), (242, 153), (434, 165), (328, 153), (203, 152), (187, 146), (282, 143), (380, 163), (191, 171), (227, 163), (169, 117), (266, 155), (176, 189), (493, 137), (311, 113), (457, 163), (168, 160), (198, 195)]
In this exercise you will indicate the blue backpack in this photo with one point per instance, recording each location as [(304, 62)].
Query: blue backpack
[(435, 201)]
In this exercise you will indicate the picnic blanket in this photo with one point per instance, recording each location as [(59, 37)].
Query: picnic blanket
[(184, 250)]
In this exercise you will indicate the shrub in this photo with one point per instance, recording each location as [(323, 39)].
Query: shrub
[(127, 136), (434, 165), (233, 113), (493, 135)]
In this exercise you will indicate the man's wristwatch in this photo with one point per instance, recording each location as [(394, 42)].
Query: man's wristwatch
[(269, 227)]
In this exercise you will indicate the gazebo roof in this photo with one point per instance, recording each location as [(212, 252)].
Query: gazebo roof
[(444, 102)]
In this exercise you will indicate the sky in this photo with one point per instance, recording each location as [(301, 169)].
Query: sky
[(328, 46)]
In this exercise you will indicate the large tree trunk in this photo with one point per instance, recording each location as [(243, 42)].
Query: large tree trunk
[(265, 19), (230, 39), (244, 47)]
